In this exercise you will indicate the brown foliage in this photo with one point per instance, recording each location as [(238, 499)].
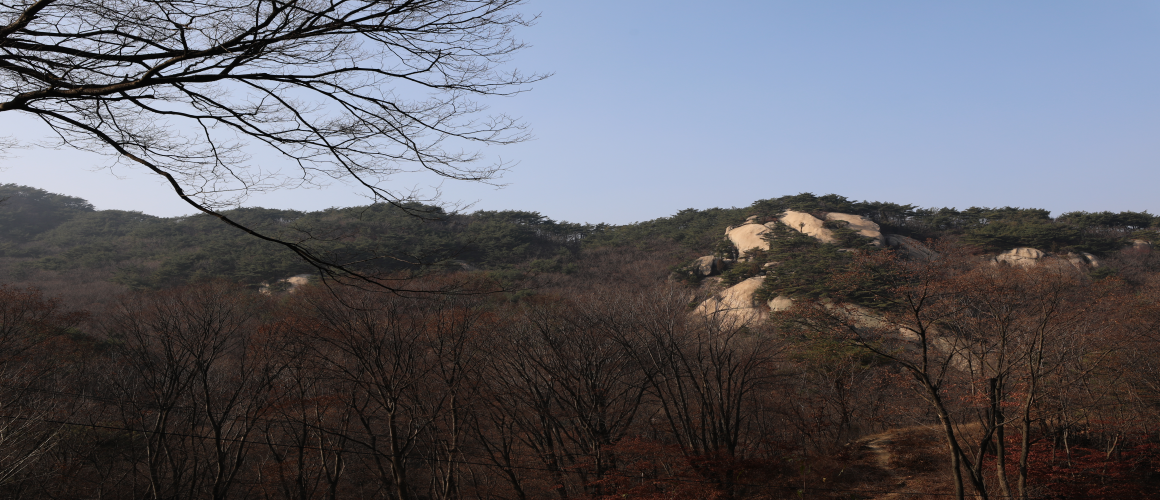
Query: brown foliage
[(583, 388)]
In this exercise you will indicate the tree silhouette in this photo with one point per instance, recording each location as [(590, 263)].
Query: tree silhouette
[(347, 90)]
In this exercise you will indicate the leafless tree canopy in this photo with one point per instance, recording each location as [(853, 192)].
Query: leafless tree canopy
[(352, 91)]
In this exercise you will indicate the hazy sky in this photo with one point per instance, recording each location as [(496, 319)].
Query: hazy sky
[(658, 106)]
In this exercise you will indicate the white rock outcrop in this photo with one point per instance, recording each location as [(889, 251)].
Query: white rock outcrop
[(734, 303), (751, 234), (1026, 257), (297, 281), (747, 237), (290, 285), (1083, 260), (808, 224), (861, 225), (1021, 257), (780, 303)]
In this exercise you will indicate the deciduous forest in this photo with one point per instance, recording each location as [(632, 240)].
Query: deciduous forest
[(527, 358)]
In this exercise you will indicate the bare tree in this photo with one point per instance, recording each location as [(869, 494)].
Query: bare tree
[(196, 375), (30, 328), (839, 394), (560, 378), (923, 296), (346, 90), (1031, 332), (307, 448), (402, 368), (976, 339), (707, 377)]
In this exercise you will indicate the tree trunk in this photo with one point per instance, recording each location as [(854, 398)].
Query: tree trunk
[(1000, 440)]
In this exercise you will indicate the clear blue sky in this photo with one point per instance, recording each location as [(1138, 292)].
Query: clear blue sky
[(660, 106)]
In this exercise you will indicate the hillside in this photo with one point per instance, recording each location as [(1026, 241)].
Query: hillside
[(65, 246), (44, 231), (803, 346)]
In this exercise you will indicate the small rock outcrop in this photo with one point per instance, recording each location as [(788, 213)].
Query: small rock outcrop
[(297, 281), (780, 303), (707, 266), (751, 234), (808, 224), (861, 225), (747, 237), (289, 285), (734, 303), (1026, 257), (1083, 260), (1021, 257)]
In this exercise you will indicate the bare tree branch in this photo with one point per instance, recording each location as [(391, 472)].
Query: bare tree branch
[(347, 90)]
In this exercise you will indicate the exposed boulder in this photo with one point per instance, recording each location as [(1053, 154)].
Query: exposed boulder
[(1021, 257), (909, 246), (780, 303), (747, 237), (1026, 257), (734, 303), (863, 226), (707, 266), (289, 285), (1092, 260), (808, 224), (752, 219), (751, 234), (1083, 260), (1141, 245), (297, 281)]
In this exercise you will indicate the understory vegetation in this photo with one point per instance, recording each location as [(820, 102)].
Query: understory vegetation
[(139, 358)]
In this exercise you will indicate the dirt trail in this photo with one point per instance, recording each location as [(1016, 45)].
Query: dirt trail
[(876, 451), (902, 464)]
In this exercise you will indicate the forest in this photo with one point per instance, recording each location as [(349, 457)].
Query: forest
[(146, 357)]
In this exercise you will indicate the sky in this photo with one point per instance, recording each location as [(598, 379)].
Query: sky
[(654, 107)]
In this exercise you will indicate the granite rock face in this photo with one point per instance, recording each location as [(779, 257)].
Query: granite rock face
[(808, 224), (750, 235), (735, 303), (1026, 257), (861, 225), (1021, 257), (747, 237), (707, 266)]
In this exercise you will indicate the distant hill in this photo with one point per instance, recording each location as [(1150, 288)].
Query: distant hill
[(45, 234)]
